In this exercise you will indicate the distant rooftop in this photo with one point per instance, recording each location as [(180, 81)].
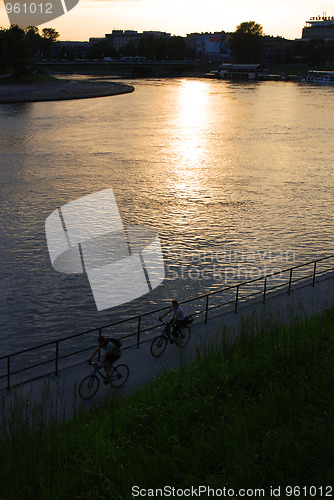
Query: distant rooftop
[(323, 20), (319, 27)]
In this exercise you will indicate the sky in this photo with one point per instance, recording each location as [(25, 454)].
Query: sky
[(95, 18)]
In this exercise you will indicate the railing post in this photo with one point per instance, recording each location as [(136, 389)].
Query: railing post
[(8, 373), (290, 281), (138, 331), (264, 290), (57, 353), (314, 271), (206, 309), (236, 300), (99, 352)]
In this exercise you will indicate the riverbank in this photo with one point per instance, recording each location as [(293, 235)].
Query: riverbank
[(60, 90), (252, 414), (238, 414)]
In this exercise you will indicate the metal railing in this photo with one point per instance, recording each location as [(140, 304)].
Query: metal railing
[(52, 353)]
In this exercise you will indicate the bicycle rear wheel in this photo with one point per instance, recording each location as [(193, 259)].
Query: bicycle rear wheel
[(120, 375), (158, 346), (183, 336), (89, 386)]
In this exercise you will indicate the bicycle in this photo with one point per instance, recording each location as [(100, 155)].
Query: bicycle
[(91, 383), (181, 338)]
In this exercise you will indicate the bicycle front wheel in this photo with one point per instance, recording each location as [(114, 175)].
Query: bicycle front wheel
[(120, 375), (183, 336), (89, 386), (158, 346)]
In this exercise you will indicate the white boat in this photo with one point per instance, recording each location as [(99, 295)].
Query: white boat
[(321, 77), (240, 71)]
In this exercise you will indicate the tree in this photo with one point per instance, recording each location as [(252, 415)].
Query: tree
[(49, 37), (162, 48), (67, 52), (130, 49), (33, 40), (99, 50), (247, 42), (146, 47), (315, 52), (14, 56)]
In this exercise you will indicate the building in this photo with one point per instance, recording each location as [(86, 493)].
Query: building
[(320, 27), (209, 46), (157, 34), (96, 40), (117, 39)]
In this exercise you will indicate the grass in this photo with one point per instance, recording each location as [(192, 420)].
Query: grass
[(296, 69), (250, 414), (27, 79)]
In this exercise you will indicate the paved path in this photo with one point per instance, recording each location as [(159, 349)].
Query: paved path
[(305, 300)]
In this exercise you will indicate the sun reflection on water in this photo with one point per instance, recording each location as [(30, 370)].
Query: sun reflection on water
[(187, 148)]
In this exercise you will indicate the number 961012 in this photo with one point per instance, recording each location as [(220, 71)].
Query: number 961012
[(28, 8)]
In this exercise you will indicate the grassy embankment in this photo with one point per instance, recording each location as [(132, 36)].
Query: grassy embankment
[(254, 414), (27, 79), (296, 69)]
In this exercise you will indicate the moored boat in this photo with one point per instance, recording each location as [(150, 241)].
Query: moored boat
[(320, 77)]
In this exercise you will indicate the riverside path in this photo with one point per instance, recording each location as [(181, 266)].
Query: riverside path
[(61, 392)]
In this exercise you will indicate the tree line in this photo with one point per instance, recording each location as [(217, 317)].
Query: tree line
[(19, 48), (247, 45), (314, 51), (150, 47)]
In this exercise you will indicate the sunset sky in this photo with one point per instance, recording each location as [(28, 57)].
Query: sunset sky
[(95, 18)]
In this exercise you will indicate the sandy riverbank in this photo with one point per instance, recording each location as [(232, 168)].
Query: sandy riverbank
[(60, 90)]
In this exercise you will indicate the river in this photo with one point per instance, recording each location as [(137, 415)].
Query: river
[(236, 178)]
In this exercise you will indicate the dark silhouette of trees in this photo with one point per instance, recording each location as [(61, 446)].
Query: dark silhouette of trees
[(158, 48), (150, 47), (33, 41), (130, 49), (317, 52), (247, 42), (66, 52), (48, 38), (314, 52), (40, 45), (163, 48), (99, 50), (15, 58), (19, 48)]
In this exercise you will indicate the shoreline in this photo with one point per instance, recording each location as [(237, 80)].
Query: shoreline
[(60, 90)]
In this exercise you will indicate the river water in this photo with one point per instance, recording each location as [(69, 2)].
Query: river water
[(236, 178)]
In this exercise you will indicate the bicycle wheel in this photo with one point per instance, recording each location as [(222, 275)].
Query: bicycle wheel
[(158, 346), (89, 386), (183, 336), (120, 375)]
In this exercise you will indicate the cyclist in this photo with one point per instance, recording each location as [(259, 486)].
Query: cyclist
[(112, 353), (178, 317)]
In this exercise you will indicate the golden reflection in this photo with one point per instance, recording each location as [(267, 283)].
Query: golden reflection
[(187, 150), (193, 102), (191, 120)]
